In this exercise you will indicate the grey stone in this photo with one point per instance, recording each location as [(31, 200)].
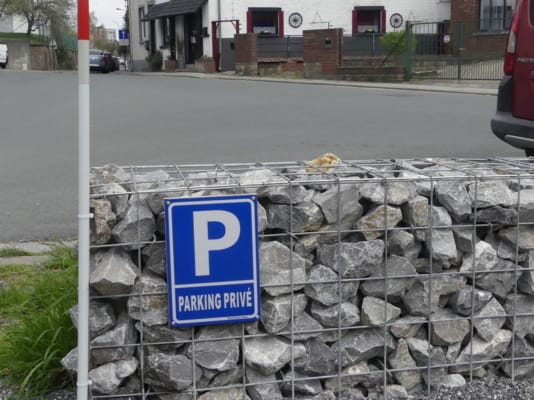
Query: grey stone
[(147, 180), (505, 250), (395, 193), (225, 394), (415, 214), (343, 198), (262, 387), (352, 260), (407, 326), (452, 352), (160, 191), (262, 218), (279, 266), (257, 181), (425, 354), (318, 360), (469, 299), (325, 395), (112, 272), (463, 237), (525, 284), (417, 297), (401, 359), (227, 378), (352, 376), (482, 352), (148, 301), (524, 239), (448, 328), (495, 215), (300, 384), (452, 381), (489, 320), (442, 244), (376, 312), (216, 354), (373, 224), (170, 372), (362, 344), (329, 316), (156, 259), (175, 337), (103, 220), (109, 173), (303, 217), (400, 242), (328, 293), (522, 369), (115, 344), (108, 377), (490, 193), (116, 195), (484, 259), (522, 304), (305, 327), (70, 361), (454, 197), (394, 270), (499, 283), (526, 205), (101, 317), (397, 392), (276, 311), (269, 354), (294, 194), (137, 225)]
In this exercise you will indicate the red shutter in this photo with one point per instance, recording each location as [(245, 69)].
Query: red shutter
[(280, 23), (354, 22), (249, 21), (383, 21)]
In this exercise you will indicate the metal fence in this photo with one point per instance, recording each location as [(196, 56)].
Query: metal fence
[(457, 50), (408, 272), (280, 47)]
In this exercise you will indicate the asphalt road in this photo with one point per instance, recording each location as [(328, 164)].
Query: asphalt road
[(147, 120)]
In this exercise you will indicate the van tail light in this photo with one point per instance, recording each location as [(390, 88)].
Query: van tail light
[(509, 57)]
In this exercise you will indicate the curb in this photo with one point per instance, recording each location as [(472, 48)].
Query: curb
[(440, 88)]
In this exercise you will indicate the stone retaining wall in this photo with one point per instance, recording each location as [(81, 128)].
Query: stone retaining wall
[(377, 277)]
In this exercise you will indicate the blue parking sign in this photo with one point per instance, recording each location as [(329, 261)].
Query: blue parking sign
[(212, 260)]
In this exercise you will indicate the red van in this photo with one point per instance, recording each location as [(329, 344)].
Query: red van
[(514, 119)]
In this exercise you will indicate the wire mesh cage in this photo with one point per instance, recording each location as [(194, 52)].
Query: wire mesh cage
[(378, 279)]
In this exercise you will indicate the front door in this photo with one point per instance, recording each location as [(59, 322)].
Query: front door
[(193, 37)]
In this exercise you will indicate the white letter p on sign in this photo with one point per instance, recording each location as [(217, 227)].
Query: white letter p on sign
[(203, 244)]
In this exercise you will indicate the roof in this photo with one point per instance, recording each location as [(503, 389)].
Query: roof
[(173, 7)]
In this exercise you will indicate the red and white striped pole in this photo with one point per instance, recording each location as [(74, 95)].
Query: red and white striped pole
[(84, 215)]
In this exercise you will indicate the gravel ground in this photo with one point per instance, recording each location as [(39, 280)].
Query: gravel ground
[(488, 389)]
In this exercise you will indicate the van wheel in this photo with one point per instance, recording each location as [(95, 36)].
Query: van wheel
[(3, 66), (529, 152)]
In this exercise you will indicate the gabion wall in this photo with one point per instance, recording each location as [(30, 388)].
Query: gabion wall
[(379, 279)]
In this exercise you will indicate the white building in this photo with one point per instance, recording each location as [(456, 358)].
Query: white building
[(189, 29)]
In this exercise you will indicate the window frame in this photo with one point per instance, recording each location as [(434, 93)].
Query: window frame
[(382, 19), (499, 23), (142, 26), (279, 19)]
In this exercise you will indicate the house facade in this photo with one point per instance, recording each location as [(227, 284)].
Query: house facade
[(186, 30)]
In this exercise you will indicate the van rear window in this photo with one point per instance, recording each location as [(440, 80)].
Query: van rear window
[(531, 6)]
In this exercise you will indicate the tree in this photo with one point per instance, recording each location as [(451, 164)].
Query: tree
[(38, 13)]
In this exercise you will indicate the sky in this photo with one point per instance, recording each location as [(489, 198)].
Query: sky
[(106, 13)]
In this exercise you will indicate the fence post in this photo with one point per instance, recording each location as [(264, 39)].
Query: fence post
[(460, 47), (408, 52)]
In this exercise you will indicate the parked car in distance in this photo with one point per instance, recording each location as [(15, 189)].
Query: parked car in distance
[(100, 60), (3, 55), (514, 120)]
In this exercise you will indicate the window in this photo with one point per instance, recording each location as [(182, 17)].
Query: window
[(142, 29), (265, 21), (368, 20), (496, 15), (165, 31), (531, 6)]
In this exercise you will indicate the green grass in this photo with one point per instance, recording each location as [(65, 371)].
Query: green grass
[(37, 331), (9, 252)]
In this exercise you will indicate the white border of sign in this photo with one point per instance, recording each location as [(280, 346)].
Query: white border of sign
[(255, 266)]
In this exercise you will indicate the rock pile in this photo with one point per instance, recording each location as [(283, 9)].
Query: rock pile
[(377, 280)]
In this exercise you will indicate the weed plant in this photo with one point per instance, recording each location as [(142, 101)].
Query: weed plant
[(37, 332)]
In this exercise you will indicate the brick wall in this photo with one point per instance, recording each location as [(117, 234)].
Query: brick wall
[(464, 10), (323, 47), (246, 54)]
